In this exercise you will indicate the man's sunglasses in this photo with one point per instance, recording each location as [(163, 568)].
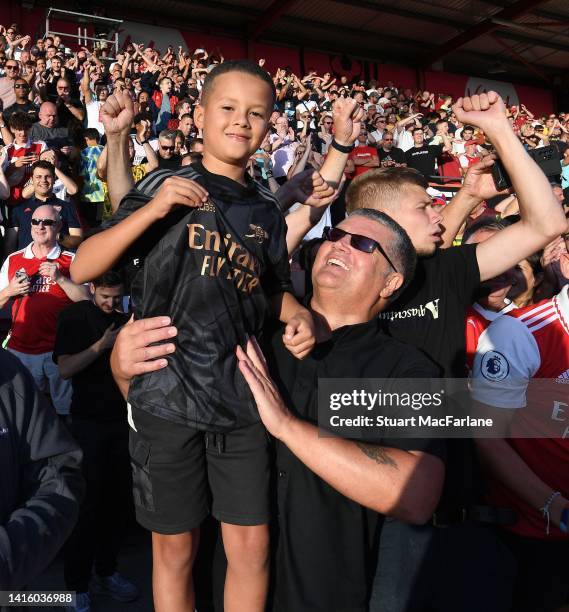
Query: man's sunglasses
[(361, 243), (167, 148), (12, 67), (21, 86), (44, 222)]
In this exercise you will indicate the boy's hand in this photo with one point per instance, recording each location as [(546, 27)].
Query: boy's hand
[(300, 334), (272, 409), (176, 190), (309, 188), (486, 111)]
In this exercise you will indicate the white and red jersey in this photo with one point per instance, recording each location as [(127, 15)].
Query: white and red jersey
[(530, 344), (13, 151), (477, 320), (34, 316)]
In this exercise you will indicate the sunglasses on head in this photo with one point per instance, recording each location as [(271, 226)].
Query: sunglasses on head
[(45, 222), (361, 243)]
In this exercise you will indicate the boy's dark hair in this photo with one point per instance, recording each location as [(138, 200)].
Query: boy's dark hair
[(20, 121), (417, 129), (43, 163), (468, 128), (244, 66), (91, 134), (111, 278), (141, 117)]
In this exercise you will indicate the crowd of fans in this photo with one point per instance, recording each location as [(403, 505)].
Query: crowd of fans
[(89, 139)]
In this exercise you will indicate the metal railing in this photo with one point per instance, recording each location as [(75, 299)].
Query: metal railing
[(82, 37)]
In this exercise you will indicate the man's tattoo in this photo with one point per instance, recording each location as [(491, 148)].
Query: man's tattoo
[(378, 454)]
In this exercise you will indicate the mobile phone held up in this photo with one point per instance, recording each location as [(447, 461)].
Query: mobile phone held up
[(547, 158)]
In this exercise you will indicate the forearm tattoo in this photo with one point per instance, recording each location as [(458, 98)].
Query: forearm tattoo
[(378, 454)]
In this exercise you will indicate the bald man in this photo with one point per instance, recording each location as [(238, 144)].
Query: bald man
[(36, 281), (48, 129)]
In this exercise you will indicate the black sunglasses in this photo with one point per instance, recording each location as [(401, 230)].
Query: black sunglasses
[(21, 86), (167, 148), (45, 222), (361, 243)]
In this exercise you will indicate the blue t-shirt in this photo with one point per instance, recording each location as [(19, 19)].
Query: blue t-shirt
[(21, 217)]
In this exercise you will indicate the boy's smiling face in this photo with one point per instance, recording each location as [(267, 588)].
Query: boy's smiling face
[(234, 117)]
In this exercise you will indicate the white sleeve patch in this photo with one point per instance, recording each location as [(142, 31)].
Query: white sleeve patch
[(506, 358)]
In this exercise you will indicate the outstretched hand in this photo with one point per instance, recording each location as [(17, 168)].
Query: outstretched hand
[(272, 409)]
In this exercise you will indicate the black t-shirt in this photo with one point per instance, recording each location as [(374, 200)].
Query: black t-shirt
[(424, 158), (95, 393), (65, 117), (27, 107), (324, 555), (396, 155), (211, 270), (21, 217), (173, 163), (430, 314)]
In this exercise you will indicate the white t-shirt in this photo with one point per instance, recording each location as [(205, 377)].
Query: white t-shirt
[(139, 152), (306, 106), (94, 116)]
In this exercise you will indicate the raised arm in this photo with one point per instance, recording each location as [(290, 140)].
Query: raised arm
[(542, 218), (117, 114), (348, 116), (86, 85)]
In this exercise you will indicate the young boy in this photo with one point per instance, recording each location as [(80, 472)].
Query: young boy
[(212, 270)]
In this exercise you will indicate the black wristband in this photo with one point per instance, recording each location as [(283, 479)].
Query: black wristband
[(342, 148)]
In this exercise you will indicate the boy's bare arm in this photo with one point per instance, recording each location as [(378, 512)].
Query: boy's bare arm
[(100, 252), (299, 336)]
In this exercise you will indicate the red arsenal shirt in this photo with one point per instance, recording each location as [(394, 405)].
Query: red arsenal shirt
[(34, 316), (522, 364)]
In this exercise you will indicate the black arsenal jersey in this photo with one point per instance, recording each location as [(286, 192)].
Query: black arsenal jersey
[(211, 270)]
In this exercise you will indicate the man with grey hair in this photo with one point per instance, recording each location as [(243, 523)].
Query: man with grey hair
[(332, 492), (167, 159), (37, 281)]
